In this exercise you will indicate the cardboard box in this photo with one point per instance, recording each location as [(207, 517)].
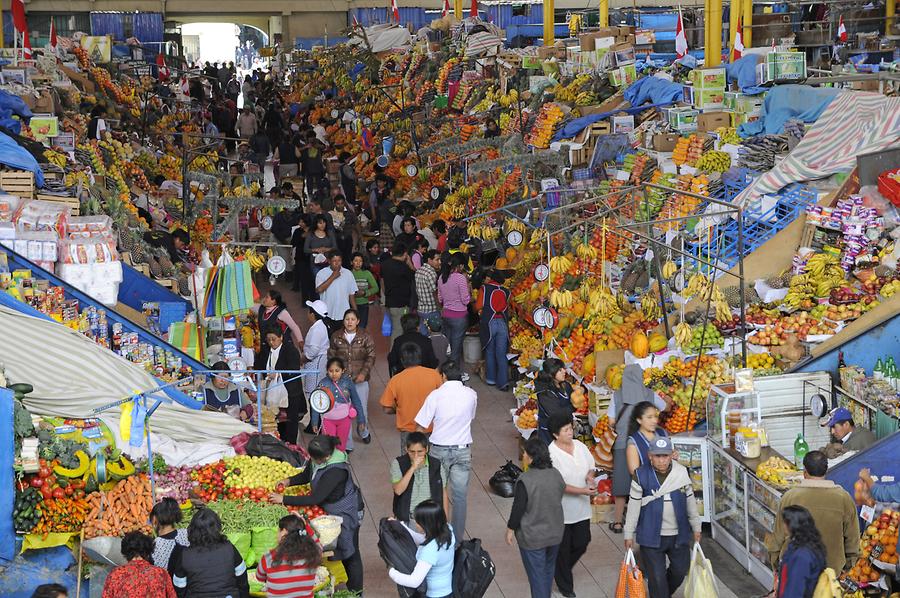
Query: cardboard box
[(703, 98), (624, 75), (611, 103), (644, 37), (710, 121), (782, 66), (623, 54), (683, 120), (45, 103), (710, 78), (548, 52), (665, 142), (531, 62)]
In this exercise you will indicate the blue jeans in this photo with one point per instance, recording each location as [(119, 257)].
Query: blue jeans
[(455, 331), (663, 580), (457, 463), (495, 353), (539, 566), (425, 316)]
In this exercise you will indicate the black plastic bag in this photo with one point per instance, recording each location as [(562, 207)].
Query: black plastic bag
[(503, 482), (266, 445)]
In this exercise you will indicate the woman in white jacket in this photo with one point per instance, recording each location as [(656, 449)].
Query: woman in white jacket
[(315, 351)]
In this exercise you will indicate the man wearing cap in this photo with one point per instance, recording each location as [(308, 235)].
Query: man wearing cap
[(844, 431), (662, 518)]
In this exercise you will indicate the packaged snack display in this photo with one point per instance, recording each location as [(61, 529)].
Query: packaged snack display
[(45, 216)]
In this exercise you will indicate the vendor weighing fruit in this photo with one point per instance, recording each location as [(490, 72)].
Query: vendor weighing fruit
[(332, 487)]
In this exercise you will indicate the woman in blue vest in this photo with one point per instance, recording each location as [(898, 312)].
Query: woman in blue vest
[(804, 559), (221, 394), (662, 517), (642, 428), (332, 488), (493, 329)]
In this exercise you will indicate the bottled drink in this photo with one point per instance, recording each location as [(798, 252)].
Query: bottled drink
[(877, 372), (800, 449)]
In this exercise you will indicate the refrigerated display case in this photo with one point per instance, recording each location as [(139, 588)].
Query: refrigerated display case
[(693, 454), (744, 508)]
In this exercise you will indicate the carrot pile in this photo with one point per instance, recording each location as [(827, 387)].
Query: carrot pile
[(123, 509), (61, 515)]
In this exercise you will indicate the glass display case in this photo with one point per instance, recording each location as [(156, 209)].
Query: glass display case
[(693, 454), (762, 507), (729, 520), (728, 410)]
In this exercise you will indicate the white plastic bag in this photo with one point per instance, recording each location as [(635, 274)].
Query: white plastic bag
[(701, 581)]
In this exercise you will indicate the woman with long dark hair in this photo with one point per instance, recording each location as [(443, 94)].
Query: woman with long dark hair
[(277, 355), (319, 242), (332, 488), (273, 311), (211, 566), (804, 559), (434, 558), (536, 519), (367, 287), (642, 427), (553, 394), (455, 294), (164, 516), (290, 568)]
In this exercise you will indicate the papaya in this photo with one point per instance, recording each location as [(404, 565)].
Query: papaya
[(640, 346), (657, 342), (83, 463), (121, 469)]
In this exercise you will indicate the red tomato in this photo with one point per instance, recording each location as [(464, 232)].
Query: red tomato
[(37, 482), (44, 472), (46, 492), (58, 493), (69, 491)]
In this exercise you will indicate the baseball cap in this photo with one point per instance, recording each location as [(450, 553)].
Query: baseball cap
[(661, 445), (841, 414), (318, 306)]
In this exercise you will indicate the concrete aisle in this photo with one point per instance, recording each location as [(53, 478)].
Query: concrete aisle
[(494, 441)]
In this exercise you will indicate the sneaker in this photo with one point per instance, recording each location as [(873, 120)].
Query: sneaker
[(367, 439)]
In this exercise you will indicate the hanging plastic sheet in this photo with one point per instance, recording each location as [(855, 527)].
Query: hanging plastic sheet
[(108, 23), (148, 28)]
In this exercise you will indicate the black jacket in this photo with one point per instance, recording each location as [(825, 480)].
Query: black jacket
[(428, 358), (210, 572), (398, 283), (288, 359), (402, 502), (551, 400)]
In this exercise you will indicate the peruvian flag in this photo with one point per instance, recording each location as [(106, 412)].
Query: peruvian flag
[(446, 10), (18, 14), (162, 71), (739, 40), (52, 36), (681, 46), (473, 12), (395, 10), (842, 31)]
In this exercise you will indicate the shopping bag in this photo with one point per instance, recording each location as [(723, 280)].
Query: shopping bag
[(387, 327), (631, 580), (827, 586), (275, 395), (701, 582)]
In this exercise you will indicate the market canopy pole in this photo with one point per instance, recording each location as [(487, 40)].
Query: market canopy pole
[(747, 20), (457, 9), (734, 15), (714, 54), (549, 22), (890, 9), (604, 13)]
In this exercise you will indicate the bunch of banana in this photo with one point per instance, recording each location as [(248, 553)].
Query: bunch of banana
[(586, 251), (683, 334), (585, 98), (56, 158), (537, 237), (509, 99), (650, 307), (717, 294), (669, 269), (256, 261), (560, 264), (698, 284), (479, 230), (562, 299), (623, 303), (723, 312), (801, 289), (584, 291), (511, 224), (603, 302), (824, 272)]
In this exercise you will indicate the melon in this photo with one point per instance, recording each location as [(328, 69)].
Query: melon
[(640, 346), (657, 342)]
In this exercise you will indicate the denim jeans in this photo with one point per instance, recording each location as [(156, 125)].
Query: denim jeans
[(455, 331), (495, 353), (363, 311), (425, 316), (457, 463), (539, 566), (662, 580), (362, 389)]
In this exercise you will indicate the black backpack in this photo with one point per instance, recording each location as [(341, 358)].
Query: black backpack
[(398, 550), (473, 570)]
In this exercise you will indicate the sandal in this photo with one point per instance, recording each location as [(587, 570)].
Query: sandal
[(616, 527)]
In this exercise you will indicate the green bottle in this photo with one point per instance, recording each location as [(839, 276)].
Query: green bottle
[(800, 450), (877, 372)]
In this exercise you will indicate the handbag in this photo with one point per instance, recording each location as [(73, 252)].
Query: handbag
[(631, 580), (701, 582)]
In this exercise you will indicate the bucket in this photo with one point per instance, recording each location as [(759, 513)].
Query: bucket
[(472, 348)]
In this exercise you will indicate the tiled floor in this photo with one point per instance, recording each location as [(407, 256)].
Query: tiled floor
[(494, 441)]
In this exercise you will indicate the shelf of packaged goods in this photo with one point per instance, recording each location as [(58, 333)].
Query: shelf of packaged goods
[(761, 515)]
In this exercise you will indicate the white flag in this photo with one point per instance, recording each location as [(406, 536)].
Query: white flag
[(681, 46)]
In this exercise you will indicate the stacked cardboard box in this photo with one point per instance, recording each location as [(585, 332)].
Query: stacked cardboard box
[(707, 90)]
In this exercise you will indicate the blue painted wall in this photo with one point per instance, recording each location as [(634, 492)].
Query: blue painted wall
[(864, 350)]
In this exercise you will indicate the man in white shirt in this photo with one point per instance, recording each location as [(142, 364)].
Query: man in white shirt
[(336, 286), (451, 409)]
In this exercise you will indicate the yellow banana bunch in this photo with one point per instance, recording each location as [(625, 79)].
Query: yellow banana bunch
[(586, 251), (511, 224), (562, 299), (537, 237), (584, 291), (650, 307), (256, 261), (55, 157), (603, 302), (723, 312), (669, 269), (560, 264), (698, 284), (623, 303), (683, 334)]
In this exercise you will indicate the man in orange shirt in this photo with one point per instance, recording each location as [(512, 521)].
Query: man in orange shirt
[(405, 393)]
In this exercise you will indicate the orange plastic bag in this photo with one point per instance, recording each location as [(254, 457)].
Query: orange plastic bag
[(631, 580)]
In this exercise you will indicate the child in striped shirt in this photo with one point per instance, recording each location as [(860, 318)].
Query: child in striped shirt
[(289, 571)]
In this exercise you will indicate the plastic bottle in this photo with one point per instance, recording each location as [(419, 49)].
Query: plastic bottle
[(877, 372), (800, 449)]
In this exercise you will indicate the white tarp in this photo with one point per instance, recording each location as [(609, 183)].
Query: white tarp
[(384, 37), (72, 376)]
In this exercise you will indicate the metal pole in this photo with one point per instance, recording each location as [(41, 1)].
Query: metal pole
[(259, 402), (742, 284)]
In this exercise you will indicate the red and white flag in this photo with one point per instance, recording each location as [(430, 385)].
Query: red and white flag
[(446, 10), (842, 31), (395, 10), (21, 26), (738, 40), (681, 46), (473, 12), (53, 39)]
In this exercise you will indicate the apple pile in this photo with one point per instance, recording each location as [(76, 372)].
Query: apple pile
[(816, 328), (844, 294), (839, 313), (770, 336)]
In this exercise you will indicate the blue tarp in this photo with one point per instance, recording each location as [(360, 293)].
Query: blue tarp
[(11, 105), (784, 102), (743, 70), (7, 483), (572, 128), (15, 156), (655, 90), (36, 567)]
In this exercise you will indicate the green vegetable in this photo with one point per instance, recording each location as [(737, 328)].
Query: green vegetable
[(238, 516)]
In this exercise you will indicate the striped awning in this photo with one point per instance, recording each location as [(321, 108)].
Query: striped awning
[(854, 123), (72, 376)]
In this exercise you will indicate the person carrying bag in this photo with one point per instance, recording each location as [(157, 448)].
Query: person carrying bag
[(631, 580), (701, 581)]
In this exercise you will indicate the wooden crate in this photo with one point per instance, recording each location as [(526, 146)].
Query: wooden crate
[(17, 182), (72, 202)]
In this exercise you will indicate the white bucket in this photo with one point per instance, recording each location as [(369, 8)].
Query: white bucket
[(472, 348)]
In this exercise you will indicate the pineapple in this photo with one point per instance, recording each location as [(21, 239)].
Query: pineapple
[(155, 268)]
